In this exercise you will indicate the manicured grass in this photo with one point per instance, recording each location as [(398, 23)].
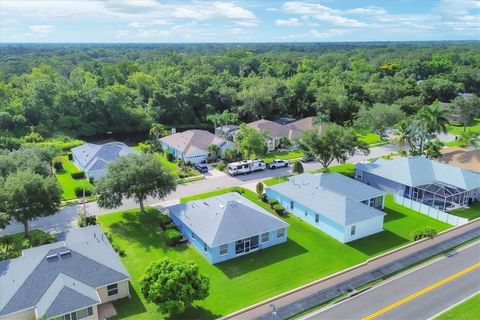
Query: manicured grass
[(285, 155), (66, 181), (369, 137), (273, 181), (307, 255), (468, 310), (347, 169), (172, 166), (18, 243), (458, 129), (473, 212)]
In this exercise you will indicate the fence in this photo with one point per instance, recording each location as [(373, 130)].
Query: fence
[(430, 211)]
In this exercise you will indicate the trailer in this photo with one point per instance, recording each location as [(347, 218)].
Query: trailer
[(246, 166)]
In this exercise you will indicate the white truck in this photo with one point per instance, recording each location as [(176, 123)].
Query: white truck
[(278, 163), (245, 166)]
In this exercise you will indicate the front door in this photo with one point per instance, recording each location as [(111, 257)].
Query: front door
[(247, 245)]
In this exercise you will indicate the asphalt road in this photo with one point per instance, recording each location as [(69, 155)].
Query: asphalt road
[(419, 294), (67, 216)]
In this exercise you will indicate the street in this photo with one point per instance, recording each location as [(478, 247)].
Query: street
[(417, 294), (67, 216)]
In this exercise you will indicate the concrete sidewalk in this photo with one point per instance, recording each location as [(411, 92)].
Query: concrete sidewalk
[(299, 299)]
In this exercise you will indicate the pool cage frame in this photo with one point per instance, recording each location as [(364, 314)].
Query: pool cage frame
[(452, 196)]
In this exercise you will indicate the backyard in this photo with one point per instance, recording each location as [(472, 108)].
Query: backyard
[(66, 181), (372, 139), (17, 242), (172, 166), (470, 213), (307, 255), (457, 129)]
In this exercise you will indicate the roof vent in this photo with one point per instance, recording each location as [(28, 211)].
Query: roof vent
[(205, 203), (52, 257), (221, 206), (64, 253)]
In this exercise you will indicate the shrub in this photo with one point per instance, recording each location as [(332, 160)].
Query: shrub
[(297, 167), (164, 220), (39, 239), (57, 164), (172, 237), (171, 226), (91, 180), (170, 157), (121, 252), (279, 209), (109, 237), (427, 232), (86, 220), (79, 192), (78, 175), (70, 156), (221, 166), (272, 202), (263, 197), (259, 188)]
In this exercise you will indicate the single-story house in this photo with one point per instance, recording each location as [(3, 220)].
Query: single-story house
[(284, 121), (305, 124), (226, 131), (461, 158), (341, 207), (423, 180), (227, 226), (70, 279), (275, 132), (93, 158), (191, 145)]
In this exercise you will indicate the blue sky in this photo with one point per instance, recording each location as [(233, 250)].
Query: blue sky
[(237, 21)]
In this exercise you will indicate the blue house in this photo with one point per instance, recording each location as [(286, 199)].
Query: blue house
[(343, 208), (227, 226), (422, 180)]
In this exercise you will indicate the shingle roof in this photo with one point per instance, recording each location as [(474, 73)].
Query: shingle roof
[(226, 218), (332, 195), (304, 124), (275, 130), (192, 139), (85, 258), (417, 171), (95, 157)]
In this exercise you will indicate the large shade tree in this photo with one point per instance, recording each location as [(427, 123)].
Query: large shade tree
[(173, 285), (379, 117), (250, 142), (27, 196), (135, 176), (467, 109)]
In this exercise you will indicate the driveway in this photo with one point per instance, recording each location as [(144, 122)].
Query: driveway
[(66, 217)]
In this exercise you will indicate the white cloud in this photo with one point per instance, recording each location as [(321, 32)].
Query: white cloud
[(287, 22), (321, 14), (42, 28), (143, 24), (367, 11), (315, 34), (122, 33)]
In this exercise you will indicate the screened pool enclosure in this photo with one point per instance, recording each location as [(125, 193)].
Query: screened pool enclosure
[(438, 195)]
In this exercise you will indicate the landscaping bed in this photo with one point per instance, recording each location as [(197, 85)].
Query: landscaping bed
[(308, 255), (67, 182)]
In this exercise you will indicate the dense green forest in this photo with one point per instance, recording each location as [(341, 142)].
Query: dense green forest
[(82, 90)]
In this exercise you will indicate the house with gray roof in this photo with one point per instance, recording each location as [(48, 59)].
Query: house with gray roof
[(341, 207), (191, 145), (93, 158), (422, 180), (275, 132), (70, 279), (227, 226)]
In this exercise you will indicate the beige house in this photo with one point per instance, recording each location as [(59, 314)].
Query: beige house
[(69, 280)]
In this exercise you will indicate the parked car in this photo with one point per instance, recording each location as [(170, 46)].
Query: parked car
[(245, 166), (306, 159), (278, 163), (202, 168)]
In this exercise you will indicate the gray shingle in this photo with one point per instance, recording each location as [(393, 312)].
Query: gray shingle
[(95, 157), (67, 301), (226, 218), (191, 139)]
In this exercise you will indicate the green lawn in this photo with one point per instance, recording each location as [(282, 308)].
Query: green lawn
[(67, 183), (285, 155), (18, 243), (458, 129), (172, 166), (307, 255), (468, 310), (471, 213), (273, 181), (369, 137), (347, 169)]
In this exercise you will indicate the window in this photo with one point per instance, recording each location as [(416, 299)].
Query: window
[(352, 231), (80, 314), (112, 289), (223, 249), (265, 237), (280, 233), (306, 213), (84, 313), (205, 247), (292, 204), (317, 218), (193, 236)]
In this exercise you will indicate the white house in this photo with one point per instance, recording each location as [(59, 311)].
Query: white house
[(191, 145), (93, 158)]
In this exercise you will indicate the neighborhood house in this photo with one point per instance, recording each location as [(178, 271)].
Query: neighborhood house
[(227, 226), (191, 145), (70, 280), (343, 208), (93, 158), (422, 180)]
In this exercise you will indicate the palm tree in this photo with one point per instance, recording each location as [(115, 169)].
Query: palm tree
[(432, 149), (434, 118), (469, 139), (158, 131), (213, 150), (402, 136), (6, 241)]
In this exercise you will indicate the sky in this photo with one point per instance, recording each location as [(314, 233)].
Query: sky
[(157, 21)]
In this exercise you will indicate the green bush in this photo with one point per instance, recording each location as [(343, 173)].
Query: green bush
[(171, 226), (78, 175), (263, 197), (164, 220), (272, 202), (427, 232), (121, 252), (70, 156), (39, 239), (91, 180), (170, 157), (297, 167), (57, 165), (79, 192), (173, 237), (86, 220), (221, 166), (279, 209)]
